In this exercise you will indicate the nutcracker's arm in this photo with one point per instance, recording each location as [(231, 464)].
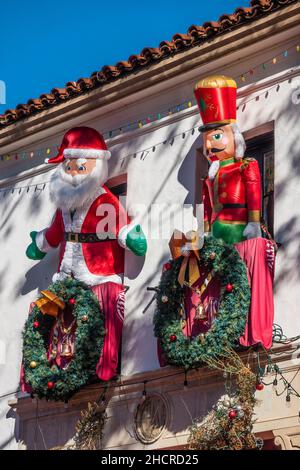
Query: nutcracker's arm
[(46, 239), (252, 179)]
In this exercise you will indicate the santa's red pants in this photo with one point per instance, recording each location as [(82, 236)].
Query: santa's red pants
[(111, 298)]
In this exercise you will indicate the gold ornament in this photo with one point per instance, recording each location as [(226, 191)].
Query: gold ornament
[(33, 364), (212, 255), (66, 349), (200, 314), (85, 318)]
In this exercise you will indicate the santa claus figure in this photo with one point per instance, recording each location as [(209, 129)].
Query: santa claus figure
[(91, 230), (232, 200)]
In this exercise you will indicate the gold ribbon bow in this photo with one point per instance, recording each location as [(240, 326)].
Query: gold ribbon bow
[(49, 304), (192, 241)]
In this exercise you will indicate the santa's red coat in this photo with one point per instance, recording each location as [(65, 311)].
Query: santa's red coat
[(92, 263)]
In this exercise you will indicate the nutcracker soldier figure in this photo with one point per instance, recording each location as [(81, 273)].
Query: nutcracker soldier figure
[(91, 229), (232, 191), (232, 200)]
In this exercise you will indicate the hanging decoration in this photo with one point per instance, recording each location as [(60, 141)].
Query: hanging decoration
[(59, 359), (47, 152), (89, 428), (229, 425), (170, 318)]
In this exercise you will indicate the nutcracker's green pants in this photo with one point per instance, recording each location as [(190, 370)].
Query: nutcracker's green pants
[(229, 233)]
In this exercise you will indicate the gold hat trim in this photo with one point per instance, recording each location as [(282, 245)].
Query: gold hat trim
[(216, 81)]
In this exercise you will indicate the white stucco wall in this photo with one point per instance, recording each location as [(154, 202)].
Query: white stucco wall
[(166, 176)]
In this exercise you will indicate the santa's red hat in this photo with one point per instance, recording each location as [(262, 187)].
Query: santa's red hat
[(81, 142)]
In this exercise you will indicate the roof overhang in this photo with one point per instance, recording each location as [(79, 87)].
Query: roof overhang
[(162, 75)]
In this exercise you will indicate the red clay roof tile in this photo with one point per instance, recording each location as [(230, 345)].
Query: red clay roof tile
[(196, 31), (85, 83), (195, 36)]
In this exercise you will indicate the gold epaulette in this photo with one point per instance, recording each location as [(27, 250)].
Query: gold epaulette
[(246, 162)]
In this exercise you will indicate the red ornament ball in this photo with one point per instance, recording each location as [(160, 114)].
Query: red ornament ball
[(167, 266), (229, 288), (36, 324), (232, 414), (173, 338), (50, 385), (259, 386), (71, 302)]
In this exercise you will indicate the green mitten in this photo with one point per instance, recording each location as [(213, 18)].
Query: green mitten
[(32, 251), (136, 241)]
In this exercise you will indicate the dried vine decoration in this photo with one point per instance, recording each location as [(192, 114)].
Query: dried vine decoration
[(224, 261), (89, 429), (44, 376), (229, 425)]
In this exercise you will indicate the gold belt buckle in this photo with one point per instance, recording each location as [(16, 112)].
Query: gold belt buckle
[(74, 237)]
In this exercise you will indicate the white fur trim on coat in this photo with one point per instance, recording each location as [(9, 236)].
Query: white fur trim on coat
[(123, 234), (87, 153), (41, 242), (91, 280), (73, 264)]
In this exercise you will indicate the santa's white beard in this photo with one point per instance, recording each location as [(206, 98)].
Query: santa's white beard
[(72, 192)]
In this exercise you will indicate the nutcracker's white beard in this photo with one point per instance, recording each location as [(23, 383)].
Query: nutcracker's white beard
[(72, 192)]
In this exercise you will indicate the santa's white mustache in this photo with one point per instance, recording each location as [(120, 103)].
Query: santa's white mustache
[(73, 180)]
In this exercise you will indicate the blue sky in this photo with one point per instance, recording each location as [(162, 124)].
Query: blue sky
[(47, 43)]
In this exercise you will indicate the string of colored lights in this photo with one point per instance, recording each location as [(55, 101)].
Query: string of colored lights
[(168, 111), (264, 65), (19, 189), (142, 153), (262, 374)]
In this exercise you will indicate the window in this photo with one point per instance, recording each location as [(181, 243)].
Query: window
[(262, 149), (118, 186)]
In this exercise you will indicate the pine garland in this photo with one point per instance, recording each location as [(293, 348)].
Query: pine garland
[(185, 352), (89, 337)]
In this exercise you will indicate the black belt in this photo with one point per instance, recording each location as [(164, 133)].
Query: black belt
[(234, 206), (89, 237)]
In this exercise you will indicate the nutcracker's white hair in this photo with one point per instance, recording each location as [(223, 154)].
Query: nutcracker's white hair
[(73, 192), (240, 144)]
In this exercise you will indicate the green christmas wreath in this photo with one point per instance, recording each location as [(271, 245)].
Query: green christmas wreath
[(186, 352), (48, 380)]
